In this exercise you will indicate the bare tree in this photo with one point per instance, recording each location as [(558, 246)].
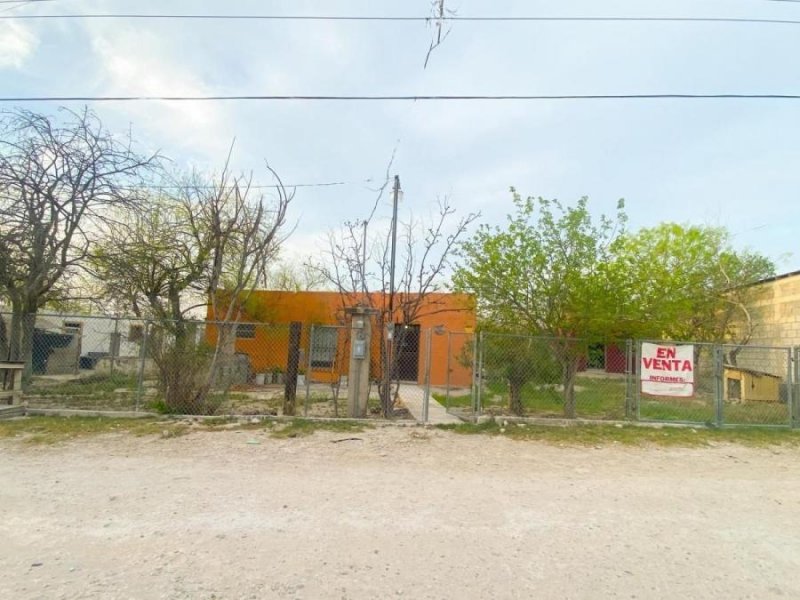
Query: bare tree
[(58, 183), (357, 265), (244, 233), (205, 247), (296, 277), (439, 16)]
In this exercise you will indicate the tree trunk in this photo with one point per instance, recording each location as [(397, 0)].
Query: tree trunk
[(292, 369), (4, 355), (20, 343), (26, 346), (226, 336), (570, 403), (15, 335), (515, 397)]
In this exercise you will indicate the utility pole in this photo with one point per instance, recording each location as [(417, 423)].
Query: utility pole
[(364, 262), (390, 346), (396, 199)]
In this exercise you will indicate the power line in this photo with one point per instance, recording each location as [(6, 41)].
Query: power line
[(252, 187), (428, 19), (308, 98)]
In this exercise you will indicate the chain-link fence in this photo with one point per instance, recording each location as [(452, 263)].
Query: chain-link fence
[(88, 362), (84, 363), (732, 385), (173, 367), (452, 374), (757, 385), (698, 405), (550, 377)]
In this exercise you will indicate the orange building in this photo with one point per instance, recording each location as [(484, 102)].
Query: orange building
[(447, 320)]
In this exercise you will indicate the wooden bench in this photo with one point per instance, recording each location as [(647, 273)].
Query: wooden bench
[(11, 394)]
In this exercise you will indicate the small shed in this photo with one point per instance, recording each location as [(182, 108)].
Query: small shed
[(749, 385)]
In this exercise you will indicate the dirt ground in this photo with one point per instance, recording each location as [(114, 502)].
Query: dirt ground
[(403, 512)]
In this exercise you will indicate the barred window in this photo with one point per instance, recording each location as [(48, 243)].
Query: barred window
[(246, 331), (323, 346)]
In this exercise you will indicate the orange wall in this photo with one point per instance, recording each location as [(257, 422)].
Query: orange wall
[(276, 309)]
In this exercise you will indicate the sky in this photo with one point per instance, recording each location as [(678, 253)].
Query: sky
[(723, 163)]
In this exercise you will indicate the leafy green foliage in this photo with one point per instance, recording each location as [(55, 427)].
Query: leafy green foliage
[(554, 271), (686, 282), (545, 274)]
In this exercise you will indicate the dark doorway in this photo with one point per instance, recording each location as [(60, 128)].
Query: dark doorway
[(407, 347)]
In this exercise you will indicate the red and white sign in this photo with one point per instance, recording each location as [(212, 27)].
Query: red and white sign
[(667, 370)]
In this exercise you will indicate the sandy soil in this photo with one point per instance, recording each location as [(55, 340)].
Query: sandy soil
[(402, 513)]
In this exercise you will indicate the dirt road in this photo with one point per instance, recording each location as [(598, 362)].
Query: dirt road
[(401, 513)]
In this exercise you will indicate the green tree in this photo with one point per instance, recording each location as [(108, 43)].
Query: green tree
[(549, 272), (687, 282), (519, 360)]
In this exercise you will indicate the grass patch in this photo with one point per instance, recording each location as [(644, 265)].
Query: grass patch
[(52, 430), (597, 398), (303, 428), (631, 435), (454, 401), (91, 385), (604, 399)]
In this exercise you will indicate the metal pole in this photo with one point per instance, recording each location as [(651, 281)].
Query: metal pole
[(364, 262), (795, 386), (308, 370), (474, 391), (629, 379), (789, 388), (114, 345), (391, 343), (142, 358), (480, 374), (719, 417), (427, 395), (797, 383), (447, 383), (395, 200), (638, 379)]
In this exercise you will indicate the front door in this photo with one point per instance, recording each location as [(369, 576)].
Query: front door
[(407, 345)]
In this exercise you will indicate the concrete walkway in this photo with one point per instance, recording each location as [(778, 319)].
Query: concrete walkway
[(413, 397)]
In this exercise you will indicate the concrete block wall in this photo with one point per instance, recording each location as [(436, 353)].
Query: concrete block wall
[(775, 310)]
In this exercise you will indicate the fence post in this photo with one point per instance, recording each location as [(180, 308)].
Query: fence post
[(795, 387), (426, 398), (479, 396), (629, 379), (115, 343), (719, 392), (292, 368), (474, 390), (142, 359), (308, 371), (447, 376), (637, 402), (790, 386)]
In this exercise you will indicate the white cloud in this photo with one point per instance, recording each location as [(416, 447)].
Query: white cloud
[(132, 62), (17, 44)]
